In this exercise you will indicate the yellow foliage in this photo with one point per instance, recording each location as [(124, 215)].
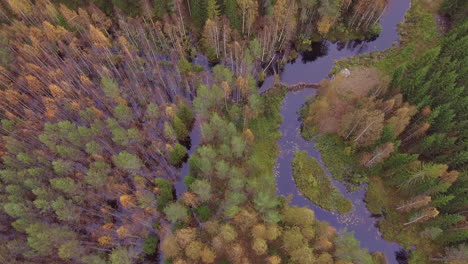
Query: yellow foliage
[(121, 101), (208, 255), (122, 232), (169, 246), (228, 233), (308, 232), (235, 252), (9, 115), (50, 9), (242, 84), (343, 262), (56, 91), (127, 201), (169, 147), (245, 219), (274, 259), (98, 38), (323, 244), (273, 232), (193, 250), (279, 10), (98, 112), (212, 227), (170, 111), (75, 105), (324, 258), (401, 118), (180, 261), (104, 240), (259, 246), (259, 231), (326, 230), (51, 108), (185, 236), (248, 136), (190, 199), (34, 84), (85, 80), (21, 7), (245, 260), (450, 177), (84, 18), (226, 88), (324, 25), (53, 33)]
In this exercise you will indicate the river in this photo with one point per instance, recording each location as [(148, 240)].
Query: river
[(312, 67)]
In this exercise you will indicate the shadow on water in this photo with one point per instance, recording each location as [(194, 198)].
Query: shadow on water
[(195, 139), (313, 66)]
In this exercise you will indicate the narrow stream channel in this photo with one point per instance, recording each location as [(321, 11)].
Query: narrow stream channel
[(313, 67)]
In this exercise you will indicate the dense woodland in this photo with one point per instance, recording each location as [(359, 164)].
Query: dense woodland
[(409, 130), (97, 100)]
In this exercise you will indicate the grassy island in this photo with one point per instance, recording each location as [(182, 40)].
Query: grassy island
[(314, 183)]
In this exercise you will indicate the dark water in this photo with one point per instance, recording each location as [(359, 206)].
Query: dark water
[(195, 139), (313, 67), (359, 220)]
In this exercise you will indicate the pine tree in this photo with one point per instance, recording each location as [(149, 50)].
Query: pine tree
[(231, 12), (199, 12), (213, 10)]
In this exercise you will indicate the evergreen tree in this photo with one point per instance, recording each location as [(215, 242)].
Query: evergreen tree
[(199, 12), (231, 12)]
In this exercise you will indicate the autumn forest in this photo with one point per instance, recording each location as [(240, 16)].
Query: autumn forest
[(156, 131)]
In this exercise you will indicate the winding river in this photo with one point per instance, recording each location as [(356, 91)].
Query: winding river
[(311, 67)]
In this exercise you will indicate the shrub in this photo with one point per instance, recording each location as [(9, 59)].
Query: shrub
[(150, 244), (177, 155), (203, 213)]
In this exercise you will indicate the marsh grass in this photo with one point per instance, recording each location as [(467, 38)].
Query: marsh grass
[(313, 182)]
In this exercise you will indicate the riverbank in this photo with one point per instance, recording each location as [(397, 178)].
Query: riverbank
[(419, 33), (312, 67)]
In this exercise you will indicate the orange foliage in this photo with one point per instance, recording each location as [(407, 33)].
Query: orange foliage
[(98, 38), (450, 177), (248, 136), (208, 255), (185, 236), (108, 226), (104, 240), (190, 199), (324, 25), (127, 201), (274, 259), (122, 232)]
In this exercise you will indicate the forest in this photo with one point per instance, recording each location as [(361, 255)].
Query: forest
[(100, 103)]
